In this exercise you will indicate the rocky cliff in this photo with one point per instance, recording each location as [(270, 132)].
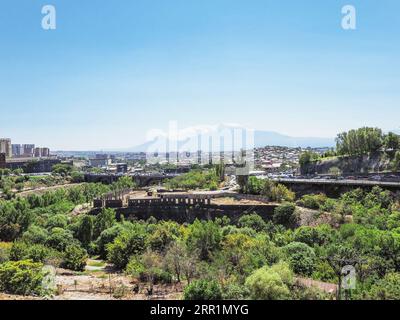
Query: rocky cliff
[(377, 162)]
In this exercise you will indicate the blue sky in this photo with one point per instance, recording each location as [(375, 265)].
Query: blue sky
[(112, 70)]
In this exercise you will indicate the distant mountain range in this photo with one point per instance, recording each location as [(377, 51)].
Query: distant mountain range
[(261, 139), (270, 138)]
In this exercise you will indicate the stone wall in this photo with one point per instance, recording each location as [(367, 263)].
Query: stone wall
[(188, 213)]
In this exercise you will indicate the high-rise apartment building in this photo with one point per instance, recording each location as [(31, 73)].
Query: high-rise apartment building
[(45, 152), (2, 160), (28, 150), (42, 152), (16, 150), (5, 147)]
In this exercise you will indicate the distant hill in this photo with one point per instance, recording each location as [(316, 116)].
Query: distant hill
[(261, 139), (270, 138)]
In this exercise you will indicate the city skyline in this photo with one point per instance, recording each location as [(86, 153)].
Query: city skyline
[(109, 74)]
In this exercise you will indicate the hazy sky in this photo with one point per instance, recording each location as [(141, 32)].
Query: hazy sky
[(112, 70)]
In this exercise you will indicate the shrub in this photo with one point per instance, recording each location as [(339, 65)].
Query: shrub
[(313, 201), (234, 291), (34, 252), (57, 221), (21, 277), (35, 234), (253, 221), (75, 258), (387, 288), (203, 290), (285, 215), (59, 239), (270, 283), (314, 235), (301, 258), (4, 251), (282, 193)]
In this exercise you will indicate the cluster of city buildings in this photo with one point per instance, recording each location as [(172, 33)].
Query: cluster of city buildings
[(25, 156), (275, 158), (22, 150)]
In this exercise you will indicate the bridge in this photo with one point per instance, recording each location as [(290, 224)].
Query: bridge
[(142, 180), (335, 187), (184, 207)]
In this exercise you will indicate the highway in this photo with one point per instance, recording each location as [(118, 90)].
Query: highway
[(342, 182)]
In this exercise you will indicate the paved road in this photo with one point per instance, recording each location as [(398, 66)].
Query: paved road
[(340, 182)]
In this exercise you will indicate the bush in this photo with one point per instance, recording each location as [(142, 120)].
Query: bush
[(234, 291), (35, 234), (34, 252), (106, 237), (195, 179), (301, 258), (281, 193), (253, 221), (148, 267), (313, 201), (387, 288), (59, 239), (57, 221), (314, 235), (22, 277), (75, 258), (4, 251), (270, 283), (130, 242), (285, 215), (203, 290)]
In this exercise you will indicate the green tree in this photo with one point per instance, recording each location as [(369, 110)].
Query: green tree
[(306, 158), (203, 290), (104, 220), (62, 169), (84, 232), (396, 161), (360, 141), (204, 236), (130, 241), (391, 141), (162, 234), (77, 177)]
